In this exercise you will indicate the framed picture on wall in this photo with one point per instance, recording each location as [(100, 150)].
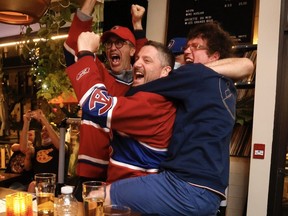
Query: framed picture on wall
[(235, 16)]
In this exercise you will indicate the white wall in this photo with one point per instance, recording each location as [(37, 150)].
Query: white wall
[(156, 20), (267, 57)]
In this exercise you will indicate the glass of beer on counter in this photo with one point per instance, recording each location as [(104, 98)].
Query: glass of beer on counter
[(45, 193), (93, 194)]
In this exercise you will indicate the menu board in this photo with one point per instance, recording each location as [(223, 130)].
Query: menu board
[(235, 16)]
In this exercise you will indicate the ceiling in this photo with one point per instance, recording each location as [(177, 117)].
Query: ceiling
[(7, 30)]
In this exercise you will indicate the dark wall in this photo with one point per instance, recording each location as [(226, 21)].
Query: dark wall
[(235, 16), (277, 204), (117, 12)]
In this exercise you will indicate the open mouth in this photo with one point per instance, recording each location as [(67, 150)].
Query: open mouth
[(189, 58), (115, 59), (138, 78), (138, 75), (189, 61)]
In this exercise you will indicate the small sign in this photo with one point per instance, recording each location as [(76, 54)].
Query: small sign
[(259, 151)]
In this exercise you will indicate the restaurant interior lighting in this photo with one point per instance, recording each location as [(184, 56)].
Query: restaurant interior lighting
[(13, 43), (19, 203), (19, 12)]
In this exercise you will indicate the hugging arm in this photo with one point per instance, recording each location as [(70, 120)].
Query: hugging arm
[(235, 68)]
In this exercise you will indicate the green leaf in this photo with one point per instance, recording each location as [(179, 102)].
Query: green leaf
[(42, 32)]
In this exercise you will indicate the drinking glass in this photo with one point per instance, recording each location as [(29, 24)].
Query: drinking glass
[(45, 193), (93, 194)]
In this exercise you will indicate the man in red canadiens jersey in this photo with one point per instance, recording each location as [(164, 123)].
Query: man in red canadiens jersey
[(124, 114), (93, 157), (94, 153), (194, 174)]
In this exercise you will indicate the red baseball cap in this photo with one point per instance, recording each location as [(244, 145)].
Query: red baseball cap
[(120, 31)]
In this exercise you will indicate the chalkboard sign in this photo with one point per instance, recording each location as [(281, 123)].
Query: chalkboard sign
[(235, 16)]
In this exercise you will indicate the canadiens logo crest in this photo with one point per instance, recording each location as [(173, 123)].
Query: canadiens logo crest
[(82, 73), (99, 97)]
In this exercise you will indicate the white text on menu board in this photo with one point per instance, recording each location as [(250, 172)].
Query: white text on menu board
[(196, 17), (229, 3)]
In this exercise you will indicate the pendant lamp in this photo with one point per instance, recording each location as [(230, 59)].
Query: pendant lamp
[(22, 12)]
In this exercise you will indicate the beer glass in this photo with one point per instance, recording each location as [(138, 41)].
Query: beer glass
[(93, 194), (45, 193)]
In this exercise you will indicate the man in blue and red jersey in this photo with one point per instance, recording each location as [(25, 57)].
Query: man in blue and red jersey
[(101, 110), (194, 175), (110, 43), (120, 44)]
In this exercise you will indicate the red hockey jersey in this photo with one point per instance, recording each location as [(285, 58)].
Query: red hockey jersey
[(142, 123), (93, 155)]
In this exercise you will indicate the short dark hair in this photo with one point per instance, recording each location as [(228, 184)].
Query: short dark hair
[(165, 52), (217, 39)]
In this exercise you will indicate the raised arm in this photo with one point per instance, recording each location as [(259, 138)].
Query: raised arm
[(28, 157), (24, 132), (88, 7), (88, 41), (137, 13), (39, 116), (235, 68), (82, 22)]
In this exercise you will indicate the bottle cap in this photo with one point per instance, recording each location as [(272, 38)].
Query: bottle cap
[(66, 189)]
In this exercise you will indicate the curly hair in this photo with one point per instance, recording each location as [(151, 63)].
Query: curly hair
[(217, 39)]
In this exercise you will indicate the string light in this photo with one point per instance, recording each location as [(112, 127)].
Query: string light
[(56, 37)]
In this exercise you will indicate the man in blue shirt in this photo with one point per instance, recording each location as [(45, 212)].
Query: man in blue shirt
[(193, 178)]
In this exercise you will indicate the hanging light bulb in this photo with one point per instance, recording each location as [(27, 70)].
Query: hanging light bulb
[(22, 12)]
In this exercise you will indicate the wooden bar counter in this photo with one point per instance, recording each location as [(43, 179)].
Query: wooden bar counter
[(6, 191), (7, 178)]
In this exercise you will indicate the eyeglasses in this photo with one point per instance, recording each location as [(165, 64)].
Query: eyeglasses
[(194, 47), (118, 44)]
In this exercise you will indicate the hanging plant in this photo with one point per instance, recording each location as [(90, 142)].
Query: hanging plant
[(46, 54)]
